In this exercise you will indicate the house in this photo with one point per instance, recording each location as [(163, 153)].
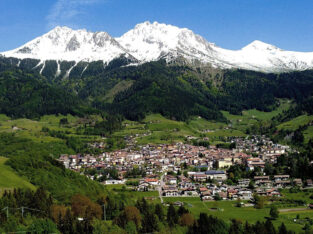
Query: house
[(170, 191), (282, 183), (222, 195), (114, 182), (281, 177), (231, 193), (170, 179), (297, 182), (217, 175), (255, 162), (206, 195), (151, 181), (245, 194), (243, 183), (265, 183), (203, 189), (189, 192), (143, 186), (257, 179), (272, 192), (201, 177), (223, 163)]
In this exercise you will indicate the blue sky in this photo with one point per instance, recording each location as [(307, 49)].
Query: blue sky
[(231, 24)]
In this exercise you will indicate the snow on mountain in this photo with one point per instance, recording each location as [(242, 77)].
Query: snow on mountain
[(152, 41), (260, 56), (63, 43)]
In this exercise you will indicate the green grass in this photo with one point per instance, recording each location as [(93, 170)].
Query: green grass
[(130, 196), (301, 195), (31, 129), (308, 133), (154, 129), (9, 179), (261, 115), (227, 210), (250, 117), (296, 123), (119, 87), (162, 130)]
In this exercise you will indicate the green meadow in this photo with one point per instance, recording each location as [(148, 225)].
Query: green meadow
[(227, 211), (9, 178), (296, 122), (157, 129), (32, 129)]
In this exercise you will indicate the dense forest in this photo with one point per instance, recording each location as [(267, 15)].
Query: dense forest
[(29, 95), (177, 92)]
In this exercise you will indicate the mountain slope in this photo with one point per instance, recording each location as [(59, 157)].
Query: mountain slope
[(25, 94), (154, 41)]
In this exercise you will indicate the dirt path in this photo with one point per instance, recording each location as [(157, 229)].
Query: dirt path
[(294, 209)]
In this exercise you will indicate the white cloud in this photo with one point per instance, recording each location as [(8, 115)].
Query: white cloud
[(65, 11)]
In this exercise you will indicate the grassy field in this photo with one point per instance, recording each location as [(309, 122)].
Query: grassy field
[(296, 122), (308, 133), (250, 117), (227, 210), (32, 129), (131, 196), (9, 179), (304, 195), (157, 129)]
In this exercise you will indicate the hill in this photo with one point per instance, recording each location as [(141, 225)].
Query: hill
[(9, 179)]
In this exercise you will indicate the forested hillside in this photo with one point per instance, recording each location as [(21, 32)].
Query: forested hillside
[(175, 91), (25, 94)]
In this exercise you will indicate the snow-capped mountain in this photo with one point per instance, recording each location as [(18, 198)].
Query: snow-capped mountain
[(152, 41), (63, 43)]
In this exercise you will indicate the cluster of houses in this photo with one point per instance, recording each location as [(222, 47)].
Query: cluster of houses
[(261, 146), (201, 164), (280, 181), (155, 159), (188, 186)]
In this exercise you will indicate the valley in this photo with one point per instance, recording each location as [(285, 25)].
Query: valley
[(155, 131)]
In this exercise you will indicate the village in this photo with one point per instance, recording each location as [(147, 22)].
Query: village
[(189, 171)]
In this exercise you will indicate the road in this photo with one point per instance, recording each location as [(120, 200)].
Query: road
[(160, 188), (293, 209)]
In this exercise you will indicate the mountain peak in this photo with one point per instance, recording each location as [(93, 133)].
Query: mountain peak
[(260, 45), (150, 41), (64, 43), (61, 28)]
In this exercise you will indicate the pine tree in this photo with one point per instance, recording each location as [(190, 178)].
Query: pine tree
[(274, 213), (172, 217), (282, 229), (159, 211)]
